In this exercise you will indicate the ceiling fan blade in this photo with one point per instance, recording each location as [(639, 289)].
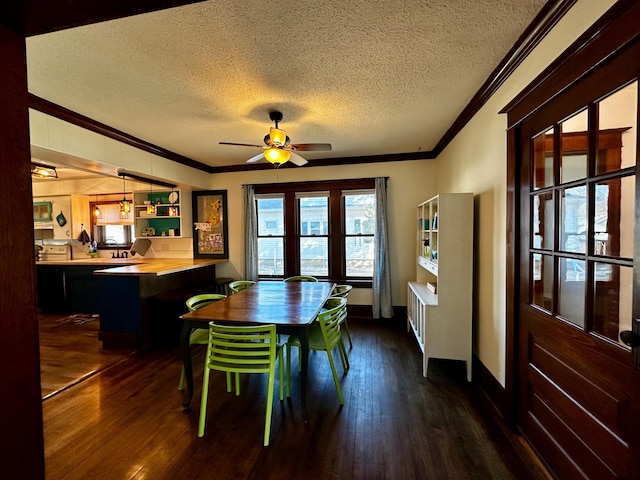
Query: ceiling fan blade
[(308, 147), (297, 159), (260, 156), (241, 144)]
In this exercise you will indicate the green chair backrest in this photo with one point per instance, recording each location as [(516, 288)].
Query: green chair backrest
[(242, 349), (330, 320), (341, 290), (199, 301), (301, 278), (238, 285)]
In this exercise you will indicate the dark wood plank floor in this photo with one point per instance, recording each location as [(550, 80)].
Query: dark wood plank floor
[(127, 422), (70, 351)]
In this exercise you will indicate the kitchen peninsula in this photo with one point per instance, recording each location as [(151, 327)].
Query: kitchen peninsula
[(138, 300)]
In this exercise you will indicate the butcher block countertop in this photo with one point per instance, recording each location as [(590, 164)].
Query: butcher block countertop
[(140, 267), (159, 266), (94, 261)]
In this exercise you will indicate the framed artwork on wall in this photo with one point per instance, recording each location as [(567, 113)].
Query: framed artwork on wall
[(210, 238)]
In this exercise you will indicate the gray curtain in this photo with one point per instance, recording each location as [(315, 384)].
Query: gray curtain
[(250, 235), (382, 307)]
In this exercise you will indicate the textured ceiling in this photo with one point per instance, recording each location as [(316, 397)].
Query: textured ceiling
[(370, 77)]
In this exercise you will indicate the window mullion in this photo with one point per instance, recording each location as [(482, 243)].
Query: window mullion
[(291, 235), (336, 231)]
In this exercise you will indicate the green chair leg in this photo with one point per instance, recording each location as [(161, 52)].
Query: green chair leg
[(203, 402), (335, 377)]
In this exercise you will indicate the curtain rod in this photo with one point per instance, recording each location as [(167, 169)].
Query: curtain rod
[(124, 173)]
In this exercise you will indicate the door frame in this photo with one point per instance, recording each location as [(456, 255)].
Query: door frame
[(617, 29)]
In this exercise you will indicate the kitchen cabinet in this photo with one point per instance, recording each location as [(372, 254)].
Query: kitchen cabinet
[(68, 288), (75, 209), (82, 289), (171, 216), (42, 212), (52, 295), (439, 303)]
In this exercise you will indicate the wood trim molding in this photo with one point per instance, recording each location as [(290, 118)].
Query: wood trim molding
[(58, 111), (21, 400), (610, 34), (36, 17), (513, 267), (324, 162), (544, 22), (490, 389)]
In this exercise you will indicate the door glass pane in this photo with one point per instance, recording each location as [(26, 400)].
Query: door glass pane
[(617, 125), (542, 280), (612, 300), (543, 160), (571, 290), (271, 256), (573, 219), (614, 219), (573, 161), (542, 217)]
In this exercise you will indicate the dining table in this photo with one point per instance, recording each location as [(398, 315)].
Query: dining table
[(291, 306)]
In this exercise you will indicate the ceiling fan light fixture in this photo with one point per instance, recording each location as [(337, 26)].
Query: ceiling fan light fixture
[(277, 156), (278, 137)]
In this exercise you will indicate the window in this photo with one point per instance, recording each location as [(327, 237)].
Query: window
[(324, 229), (110, 230), (359, 220)]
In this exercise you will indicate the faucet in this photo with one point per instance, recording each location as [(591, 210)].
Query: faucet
[(112, 241)]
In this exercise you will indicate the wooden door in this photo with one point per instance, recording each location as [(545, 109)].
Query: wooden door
[(579, 273)]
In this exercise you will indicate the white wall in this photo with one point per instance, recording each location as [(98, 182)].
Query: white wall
[(409, 184), (475, 161)]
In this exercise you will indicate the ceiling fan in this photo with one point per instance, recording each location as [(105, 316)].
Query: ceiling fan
[(278, 148)]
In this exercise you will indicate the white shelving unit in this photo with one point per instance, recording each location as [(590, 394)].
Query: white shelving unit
[(172, 217), (439, 303)]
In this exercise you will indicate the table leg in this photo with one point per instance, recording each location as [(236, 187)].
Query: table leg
[(186, 362), (303, 336)]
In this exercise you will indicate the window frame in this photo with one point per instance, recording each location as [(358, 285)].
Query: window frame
[(129, 232), (336, 246)]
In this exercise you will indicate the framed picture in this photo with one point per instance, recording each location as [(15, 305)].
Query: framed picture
[(210, 238)]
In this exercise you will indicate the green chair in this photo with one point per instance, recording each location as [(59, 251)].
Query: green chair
[(238, 285), (301, 278), (343, 291), (333, 302), (325, 335), (200, 336), (242, 349)]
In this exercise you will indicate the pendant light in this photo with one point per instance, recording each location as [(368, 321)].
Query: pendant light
[(125, 205), (96, 208), (151, 208)]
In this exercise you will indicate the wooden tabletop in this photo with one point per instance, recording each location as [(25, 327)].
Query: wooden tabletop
[(277, 302), (159, 266)]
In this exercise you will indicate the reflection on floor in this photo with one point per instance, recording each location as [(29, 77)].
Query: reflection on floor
[(70, 351)]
